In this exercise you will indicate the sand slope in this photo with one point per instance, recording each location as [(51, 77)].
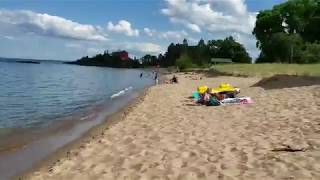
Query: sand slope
[(167, 137)]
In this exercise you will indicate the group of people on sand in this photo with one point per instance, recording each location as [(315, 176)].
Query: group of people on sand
[(214, 96)]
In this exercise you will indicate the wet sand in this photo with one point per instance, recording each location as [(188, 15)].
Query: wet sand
[(166, 136), (24, 149)]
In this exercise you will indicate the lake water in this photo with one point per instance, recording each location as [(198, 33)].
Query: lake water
[(35, 97)]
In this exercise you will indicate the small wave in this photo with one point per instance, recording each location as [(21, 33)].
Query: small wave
[(90, 116), (120, 93)]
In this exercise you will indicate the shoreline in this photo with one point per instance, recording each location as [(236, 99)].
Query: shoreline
[(92, 132), (89, 135)]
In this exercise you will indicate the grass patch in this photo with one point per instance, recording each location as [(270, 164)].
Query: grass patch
[(267, 70)]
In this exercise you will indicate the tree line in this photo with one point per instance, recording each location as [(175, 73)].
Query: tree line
[(184, 55), (181, 54), (289, 32), (107, 59)]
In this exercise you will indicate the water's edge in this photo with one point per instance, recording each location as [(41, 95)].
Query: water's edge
[(65, 150)]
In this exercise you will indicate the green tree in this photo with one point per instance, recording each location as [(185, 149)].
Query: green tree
[(311, 53), (228, 48), (149, 60), (184, 62), (185, 42), (172, 54), (202, 53), (293, 23), (201, 43), (285, 48)]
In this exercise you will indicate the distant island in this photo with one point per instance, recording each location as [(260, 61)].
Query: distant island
[(119, 59), (29, 62)]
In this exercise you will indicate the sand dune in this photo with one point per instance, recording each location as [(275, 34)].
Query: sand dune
[(168, 137)]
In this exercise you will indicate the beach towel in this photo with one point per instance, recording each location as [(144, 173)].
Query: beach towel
[(242, 100)]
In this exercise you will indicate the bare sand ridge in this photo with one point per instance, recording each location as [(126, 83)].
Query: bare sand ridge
[(167, 137)]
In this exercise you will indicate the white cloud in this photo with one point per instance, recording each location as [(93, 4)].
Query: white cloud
[(168, 35), (9, 37), (219, 18), (74, 45), (249, 42), (124, 27), (193, 27), (143, 48), (173, 35), (149, 32), (93, 51), (48, 25), (134, 48), (211, 15)]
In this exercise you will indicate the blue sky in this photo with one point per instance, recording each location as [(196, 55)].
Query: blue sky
[(67, 30)]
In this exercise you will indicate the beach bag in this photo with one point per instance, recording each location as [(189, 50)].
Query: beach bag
[(196, 96), (213, 102)]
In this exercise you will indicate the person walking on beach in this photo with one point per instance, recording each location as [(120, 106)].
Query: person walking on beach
[(156, 77), (141, 74)]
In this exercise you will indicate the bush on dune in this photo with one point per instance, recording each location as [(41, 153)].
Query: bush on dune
[(184, 62)]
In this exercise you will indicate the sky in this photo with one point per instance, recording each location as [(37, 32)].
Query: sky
[(70, 29)]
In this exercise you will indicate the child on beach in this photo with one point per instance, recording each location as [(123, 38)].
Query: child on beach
[(156, 77), (208, 99), (174, 79)]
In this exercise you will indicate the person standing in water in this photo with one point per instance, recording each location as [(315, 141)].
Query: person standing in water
[(156, 77), (141, 74)]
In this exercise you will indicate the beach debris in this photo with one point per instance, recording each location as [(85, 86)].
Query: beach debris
[(288, 148), (50, 169)]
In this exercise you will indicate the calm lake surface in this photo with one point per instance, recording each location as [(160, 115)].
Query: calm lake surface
[(36, 95)]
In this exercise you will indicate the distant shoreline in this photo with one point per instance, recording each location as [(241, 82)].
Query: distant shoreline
[(5, 59), (28, 62)]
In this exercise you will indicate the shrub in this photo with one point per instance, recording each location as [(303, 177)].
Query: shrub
[(184, 62), (312, 53)]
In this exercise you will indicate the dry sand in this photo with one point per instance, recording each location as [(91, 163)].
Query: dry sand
[(167, 137)]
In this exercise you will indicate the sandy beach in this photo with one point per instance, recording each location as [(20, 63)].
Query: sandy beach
[(167, 136)]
